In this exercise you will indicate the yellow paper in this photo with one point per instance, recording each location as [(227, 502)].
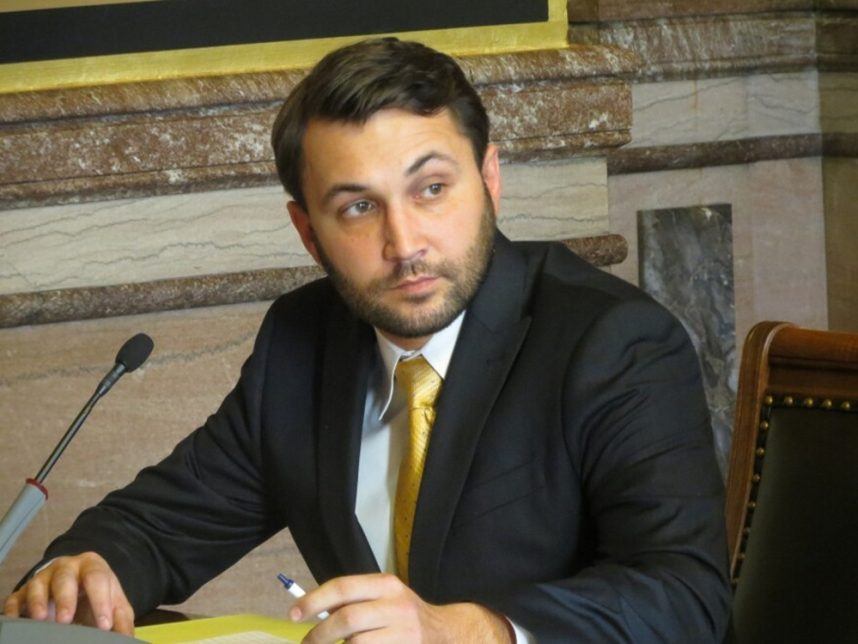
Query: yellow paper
[(230, 629)]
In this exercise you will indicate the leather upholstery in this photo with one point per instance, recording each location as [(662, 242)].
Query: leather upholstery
[(798, 578)]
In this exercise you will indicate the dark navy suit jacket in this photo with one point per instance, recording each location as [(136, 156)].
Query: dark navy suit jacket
[(570, 482)]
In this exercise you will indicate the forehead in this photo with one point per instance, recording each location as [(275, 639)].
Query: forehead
[(389, 141)]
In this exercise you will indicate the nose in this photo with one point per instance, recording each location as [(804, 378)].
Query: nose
[(403, 240)]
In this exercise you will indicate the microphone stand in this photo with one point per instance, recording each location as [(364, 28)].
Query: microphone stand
[(34, 494)]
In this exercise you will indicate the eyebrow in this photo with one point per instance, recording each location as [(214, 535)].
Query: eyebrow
[(339, 188), (426, 158)]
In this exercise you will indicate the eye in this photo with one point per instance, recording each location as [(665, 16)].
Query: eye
[(358, 208), (432, 190)]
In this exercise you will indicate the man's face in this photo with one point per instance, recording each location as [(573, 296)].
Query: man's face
[(400, 216)]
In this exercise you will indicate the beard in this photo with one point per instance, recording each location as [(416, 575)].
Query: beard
[(464, 278)]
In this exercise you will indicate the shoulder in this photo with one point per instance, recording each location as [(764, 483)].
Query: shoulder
[(298, 316), (576, 296), (309, 300)]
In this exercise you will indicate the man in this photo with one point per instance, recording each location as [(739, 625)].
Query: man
[(561, 486)]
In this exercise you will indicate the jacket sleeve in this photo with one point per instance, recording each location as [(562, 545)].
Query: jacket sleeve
[(186, 519), (638, 432)]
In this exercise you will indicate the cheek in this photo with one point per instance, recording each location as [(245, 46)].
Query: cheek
[(461, 227), (355, 254)]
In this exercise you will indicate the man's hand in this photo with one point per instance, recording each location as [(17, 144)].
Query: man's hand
[(380, 608), (83, 588)]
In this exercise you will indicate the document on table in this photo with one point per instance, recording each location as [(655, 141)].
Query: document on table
[(230, 629), (249, 637)]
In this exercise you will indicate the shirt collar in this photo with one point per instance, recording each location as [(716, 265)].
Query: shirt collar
[(438, 352)]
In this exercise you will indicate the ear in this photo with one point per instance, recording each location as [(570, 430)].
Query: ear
[(491, 174), (301, 221)]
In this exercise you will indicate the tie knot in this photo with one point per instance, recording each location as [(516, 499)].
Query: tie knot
[(419, 381)]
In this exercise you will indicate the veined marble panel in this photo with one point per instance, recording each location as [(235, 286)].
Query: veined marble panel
[(778, 231), (839, 97), (720, 109), (691, 46), (643, 9), (837, 4), (837, 37), (686, 263), (554, 200), (175, 136), (841, 231), (134, 240), (732, 152), (128, 240), (255, 88), (785, 202)]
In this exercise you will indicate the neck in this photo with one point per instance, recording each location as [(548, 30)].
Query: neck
[(407, 344)]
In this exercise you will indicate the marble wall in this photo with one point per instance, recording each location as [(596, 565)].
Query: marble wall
[(839, 114), (164, 195), (777, 213), (726, 108), (149, 238), (840, 176), (839, 102), (751, 105), (686, 264), (46, 374), (745, 86)]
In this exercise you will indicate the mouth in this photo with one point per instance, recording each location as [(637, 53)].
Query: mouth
[(415, 285)]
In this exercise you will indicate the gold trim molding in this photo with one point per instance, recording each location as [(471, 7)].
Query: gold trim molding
[(263, 57)]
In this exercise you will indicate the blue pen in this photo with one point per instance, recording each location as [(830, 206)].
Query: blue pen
[(296, 591)]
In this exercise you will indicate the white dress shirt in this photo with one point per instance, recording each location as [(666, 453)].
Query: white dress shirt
[(385, 437)]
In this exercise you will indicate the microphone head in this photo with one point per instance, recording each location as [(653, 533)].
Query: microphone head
[(135, 351)]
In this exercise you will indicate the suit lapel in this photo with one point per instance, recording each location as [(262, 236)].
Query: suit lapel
[(491, 335), (346, 369)]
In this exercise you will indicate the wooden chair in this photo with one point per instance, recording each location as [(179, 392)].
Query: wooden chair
[(792, 491)]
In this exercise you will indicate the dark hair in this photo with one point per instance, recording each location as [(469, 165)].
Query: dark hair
[(353, 83)]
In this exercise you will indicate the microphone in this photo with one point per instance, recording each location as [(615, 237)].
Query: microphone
[(132, 354), (34, 494)]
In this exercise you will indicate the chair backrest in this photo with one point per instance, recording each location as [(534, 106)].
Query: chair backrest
[(792, 491)]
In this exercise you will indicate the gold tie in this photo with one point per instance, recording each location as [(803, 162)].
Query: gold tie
[(421, 384)]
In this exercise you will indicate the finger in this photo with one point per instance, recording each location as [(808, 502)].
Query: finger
[(64, 590), (96, 581), (362, 618), (123, 618), (381, 636), (36, 595), (342, 591), (14, 605)]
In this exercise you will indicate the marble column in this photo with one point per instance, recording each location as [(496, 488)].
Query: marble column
[(686, 263)]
